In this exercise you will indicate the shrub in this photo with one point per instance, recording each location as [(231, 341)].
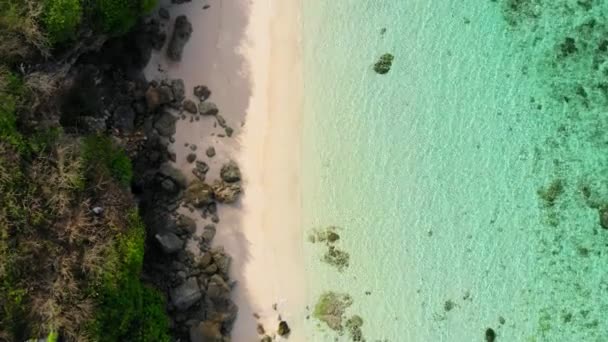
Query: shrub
[(101, 156), (118, 16), (128, 310), (61, 19)]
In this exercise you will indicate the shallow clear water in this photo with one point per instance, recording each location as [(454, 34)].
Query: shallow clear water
[(432, 171)]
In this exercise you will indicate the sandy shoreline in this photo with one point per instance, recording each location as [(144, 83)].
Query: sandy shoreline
[(248, 54)]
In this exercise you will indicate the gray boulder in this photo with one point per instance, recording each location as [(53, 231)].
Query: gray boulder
[(208, 108), (179, 89), (230, 172), (208, 233), (186, 223), (185, 295), (217, 289), (181, 34), (165, 124), (168, 171), (190, 106), (169, 242)]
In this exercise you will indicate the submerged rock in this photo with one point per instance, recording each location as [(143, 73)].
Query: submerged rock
[(191, 157), (168, 171), (490, 335), (384, 63), (179, 89), (210, 152), (157, 96), (181, 35), (230, 172), (202, 92), (190, 107), (330, 309)]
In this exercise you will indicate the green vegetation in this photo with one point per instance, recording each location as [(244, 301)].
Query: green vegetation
[(118, 16), (384, 63), (61, 19), (66, 272)]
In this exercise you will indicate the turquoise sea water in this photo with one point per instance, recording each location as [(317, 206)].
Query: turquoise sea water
[(432, 172)]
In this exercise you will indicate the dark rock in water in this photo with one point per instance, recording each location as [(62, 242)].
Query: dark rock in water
[(181, 35), (222, 260), (490, 335), (226, 192), (165, 124), (186, 294), (221, 121), (283, 329), (206, 6), (193, 147), (208, 233), (266, 338), (169, 243), (383, 30), (207, 108), (230, 172), (568, 47), (208, 331), (179, 89), (383, 65), (199, 194), (164, 13), (168, 171), (260, 329), (157, 96), (191, 157), (210, 152), (124, 118), (190, 106), (158, 40), (604, 217), (202, 92)]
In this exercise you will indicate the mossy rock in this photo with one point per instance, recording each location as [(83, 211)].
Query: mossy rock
[(384, 63), (330, 309)]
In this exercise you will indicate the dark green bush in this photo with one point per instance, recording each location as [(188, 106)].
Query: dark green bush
[(101, 155), (61, 19), (129, 310), (118, 16)]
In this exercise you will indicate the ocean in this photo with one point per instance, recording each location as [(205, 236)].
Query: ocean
[(466, 183)]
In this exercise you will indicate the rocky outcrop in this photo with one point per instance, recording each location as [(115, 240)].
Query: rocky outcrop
[(181, 34), (165, 124), (230, 172), (226, 192)]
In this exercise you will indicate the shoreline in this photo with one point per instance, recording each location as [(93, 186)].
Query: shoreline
[(248, 54)]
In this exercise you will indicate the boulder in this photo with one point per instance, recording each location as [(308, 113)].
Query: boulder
[(199, 194), (124, 118), (179, 89), (187, 223), (202, 92), (205, 259), (207, 331), (185, 295), (168, 171), (490, 335), (230, 172), (157, 96), (169, 242), (208, 233), (384, 63), (200, 170), (165, 124), (221, 121), (604, 217), (217, 289), (208, 108), (222, 260), (266, 338), (181, 34), (191, 157), (190, 106), (210, 152), (226, 192), (283, 329)]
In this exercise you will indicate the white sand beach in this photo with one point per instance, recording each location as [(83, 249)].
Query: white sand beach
[(248, 54)]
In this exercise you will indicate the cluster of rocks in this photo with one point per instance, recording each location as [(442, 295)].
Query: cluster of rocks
[(333, 255)]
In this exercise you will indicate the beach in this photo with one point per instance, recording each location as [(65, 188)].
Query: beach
[(248, 55)]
